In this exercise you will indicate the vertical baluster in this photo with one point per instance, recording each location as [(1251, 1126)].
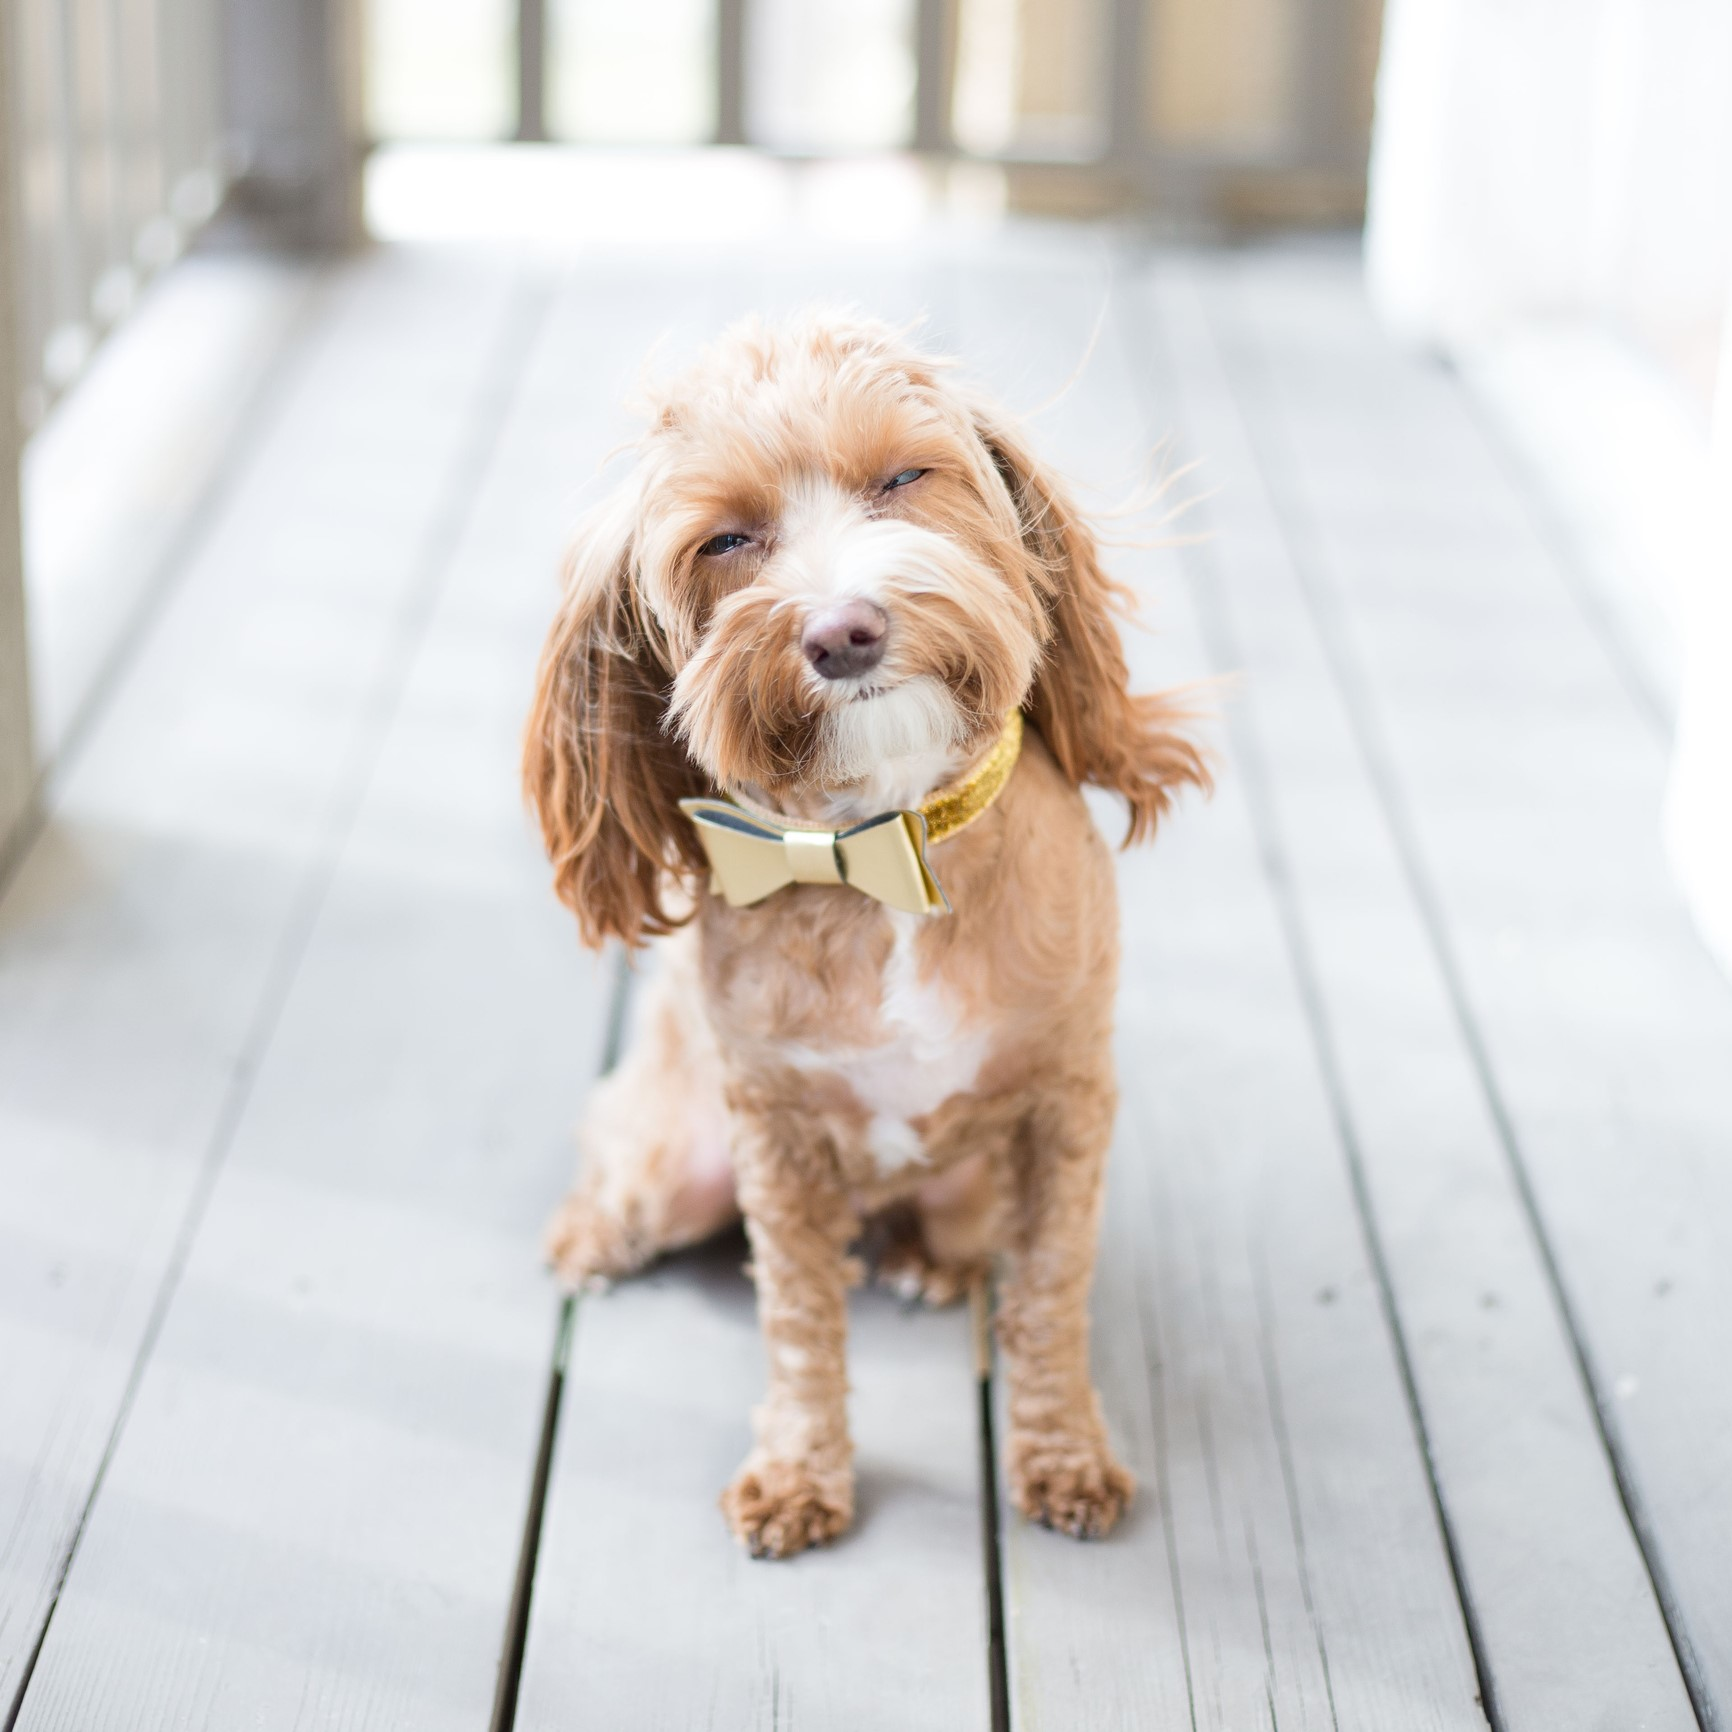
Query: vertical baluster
[(17, 759), (171, 82), (148, 189), (30, 92), (1127, 133), (67, 340), (116, 283), (934, 72), (207, 109), (531, 70), (1322, 114), (91, 129), (730, 72)]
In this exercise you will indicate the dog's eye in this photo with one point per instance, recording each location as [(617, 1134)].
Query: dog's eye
[(722, 544), (903, 479)]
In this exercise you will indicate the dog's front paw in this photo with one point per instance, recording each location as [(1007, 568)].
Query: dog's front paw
[(588, 1246), (777, 1508), (1072, 1485)]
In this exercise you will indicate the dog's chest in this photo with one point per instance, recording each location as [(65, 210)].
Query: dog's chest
[(927, 1052)]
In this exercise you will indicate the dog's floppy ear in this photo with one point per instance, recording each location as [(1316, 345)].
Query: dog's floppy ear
[(1132, 743), (603, 776)]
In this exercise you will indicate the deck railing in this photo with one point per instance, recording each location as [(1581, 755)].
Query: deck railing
[(1313, 147), (118, 132), (123, 122)]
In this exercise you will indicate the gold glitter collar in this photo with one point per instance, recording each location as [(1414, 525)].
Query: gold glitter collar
[(956, 807), (754, 852), (950, 809)]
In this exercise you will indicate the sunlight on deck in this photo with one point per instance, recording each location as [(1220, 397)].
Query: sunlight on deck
[(567, 201)]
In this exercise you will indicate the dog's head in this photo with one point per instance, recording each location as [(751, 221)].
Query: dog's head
[(831, 567)]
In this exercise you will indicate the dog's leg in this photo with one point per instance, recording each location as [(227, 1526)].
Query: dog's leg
[(1062, 1471), (655, 1172), (934, 1246), (796, 1488)]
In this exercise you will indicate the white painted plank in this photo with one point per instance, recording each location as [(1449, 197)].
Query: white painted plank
[(144, 939), (646, 1613), (116, 478), (1531, 787), (1284, 1564), (316, 1505), (1568, 1628)]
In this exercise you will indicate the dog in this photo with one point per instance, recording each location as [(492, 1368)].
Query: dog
[(830, 671)]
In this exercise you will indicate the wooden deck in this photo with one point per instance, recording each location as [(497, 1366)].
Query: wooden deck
[(1415, 1304)]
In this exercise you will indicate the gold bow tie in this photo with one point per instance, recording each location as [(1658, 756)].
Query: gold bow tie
[(753, 853)]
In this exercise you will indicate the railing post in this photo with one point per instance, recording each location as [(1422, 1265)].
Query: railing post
[(531, 71), (730, 72), (294, 116), (1127, 137), (1326, 133), (17, 755), (935, 54)]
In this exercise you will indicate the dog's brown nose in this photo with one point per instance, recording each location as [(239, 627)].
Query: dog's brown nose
[(845, 640)]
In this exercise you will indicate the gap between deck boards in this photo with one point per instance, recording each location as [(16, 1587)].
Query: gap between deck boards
[(516, 1635), (1264, 433), (1220, 642), (515, 1638)]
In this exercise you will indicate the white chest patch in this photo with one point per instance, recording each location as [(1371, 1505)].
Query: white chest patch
[(927, 1056)]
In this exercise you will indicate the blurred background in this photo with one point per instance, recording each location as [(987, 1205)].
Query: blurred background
[(1415, 1304), (1550, 190)]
